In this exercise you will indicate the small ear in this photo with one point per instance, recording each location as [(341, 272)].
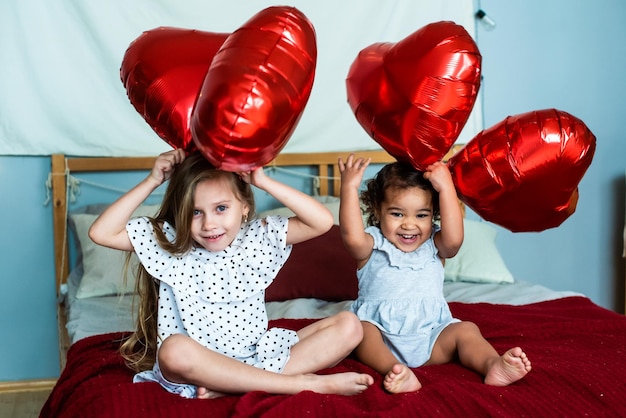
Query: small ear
[(376, 217)]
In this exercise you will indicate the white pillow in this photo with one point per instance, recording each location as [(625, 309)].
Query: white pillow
[(478, 259), (331, 202), (103, 268)]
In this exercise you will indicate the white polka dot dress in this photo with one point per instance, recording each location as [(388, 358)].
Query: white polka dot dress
[(218, 298)]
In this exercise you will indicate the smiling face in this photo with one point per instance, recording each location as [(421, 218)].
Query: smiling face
[(217, 215), (406, 217)]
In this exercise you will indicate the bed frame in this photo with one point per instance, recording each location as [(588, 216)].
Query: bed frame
[(584, 376), (325, 165)]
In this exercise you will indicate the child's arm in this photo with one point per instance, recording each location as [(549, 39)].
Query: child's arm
[(311, 218), (109, 229), (358, 243), (449, 239)]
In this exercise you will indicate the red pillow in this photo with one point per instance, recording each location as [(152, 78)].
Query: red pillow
[(318, 268)]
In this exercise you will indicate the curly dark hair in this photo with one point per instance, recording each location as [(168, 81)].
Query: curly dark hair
[(398, 175)]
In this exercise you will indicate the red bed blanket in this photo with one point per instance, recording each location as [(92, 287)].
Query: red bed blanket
[(576, 347)]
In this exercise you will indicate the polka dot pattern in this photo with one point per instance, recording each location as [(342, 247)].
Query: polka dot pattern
[(218, 298)]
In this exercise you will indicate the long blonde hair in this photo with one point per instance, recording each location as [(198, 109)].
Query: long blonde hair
[(139, 350)]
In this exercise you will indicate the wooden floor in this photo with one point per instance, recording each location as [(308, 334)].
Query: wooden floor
[(22, 404)]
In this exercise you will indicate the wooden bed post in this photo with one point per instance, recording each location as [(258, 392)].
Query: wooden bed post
[(59, 219), (61, 262)]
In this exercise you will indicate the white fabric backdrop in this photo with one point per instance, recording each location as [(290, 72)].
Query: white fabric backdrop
[(60, 88)]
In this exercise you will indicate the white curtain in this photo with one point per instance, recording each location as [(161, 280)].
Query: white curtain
[(60, 88)]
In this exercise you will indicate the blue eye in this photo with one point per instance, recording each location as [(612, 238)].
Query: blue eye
[(196, 212), (220, 208)]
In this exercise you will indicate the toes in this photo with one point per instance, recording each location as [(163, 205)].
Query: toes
[(202, 393)]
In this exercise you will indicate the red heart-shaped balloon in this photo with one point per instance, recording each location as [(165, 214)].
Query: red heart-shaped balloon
[(414, 97), (162, 71), (523, 172), (255, 90)]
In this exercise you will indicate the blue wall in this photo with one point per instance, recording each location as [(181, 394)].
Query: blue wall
[(569, 56), (27, 302), (558, 54)]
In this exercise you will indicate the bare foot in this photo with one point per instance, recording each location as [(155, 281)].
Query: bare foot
[(340, 384), (510, 367), (401, 379), (204, 393)]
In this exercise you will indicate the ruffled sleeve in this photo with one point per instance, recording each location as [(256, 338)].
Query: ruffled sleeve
[(243, 269)]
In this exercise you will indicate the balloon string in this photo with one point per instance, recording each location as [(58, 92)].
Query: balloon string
[(73, 183), (105, 186)]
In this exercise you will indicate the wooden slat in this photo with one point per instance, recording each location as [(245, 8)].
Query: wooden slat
[(61, 262), (64, 337), (88, 164), (328, 158), (59, 212)]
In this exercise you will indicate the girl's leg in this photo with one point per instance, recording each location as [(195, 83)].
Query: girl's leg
[(374, 352), (464, 339), (183, 360), (324, 343)]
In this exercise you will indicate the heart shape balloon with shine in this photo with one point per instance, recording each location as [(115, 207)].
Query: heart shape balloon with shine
[(236, 97), (255, 90), (415, 96), (523, 173), (162, 71)]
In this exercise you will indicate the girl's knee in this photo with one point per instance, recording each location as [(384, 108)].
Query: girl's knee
[(348, 318), (174, 354), (350, 326), (465, 329), (469, 327)]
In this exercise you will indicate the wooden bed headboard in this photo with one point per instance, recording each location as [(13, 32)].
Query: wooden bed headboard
[(325, 164)]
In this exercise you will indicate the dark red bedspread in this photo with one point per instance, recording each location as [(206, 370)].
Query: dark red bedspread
[(576, 347)]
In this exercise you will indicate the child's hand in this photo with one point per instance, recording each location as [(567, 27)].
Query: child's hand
[(165, 164), (255, 177), (439, 176), (352, 170)]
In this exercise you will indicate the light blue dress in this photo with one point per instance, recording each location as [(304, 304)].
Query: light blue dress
[(402, 294)]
